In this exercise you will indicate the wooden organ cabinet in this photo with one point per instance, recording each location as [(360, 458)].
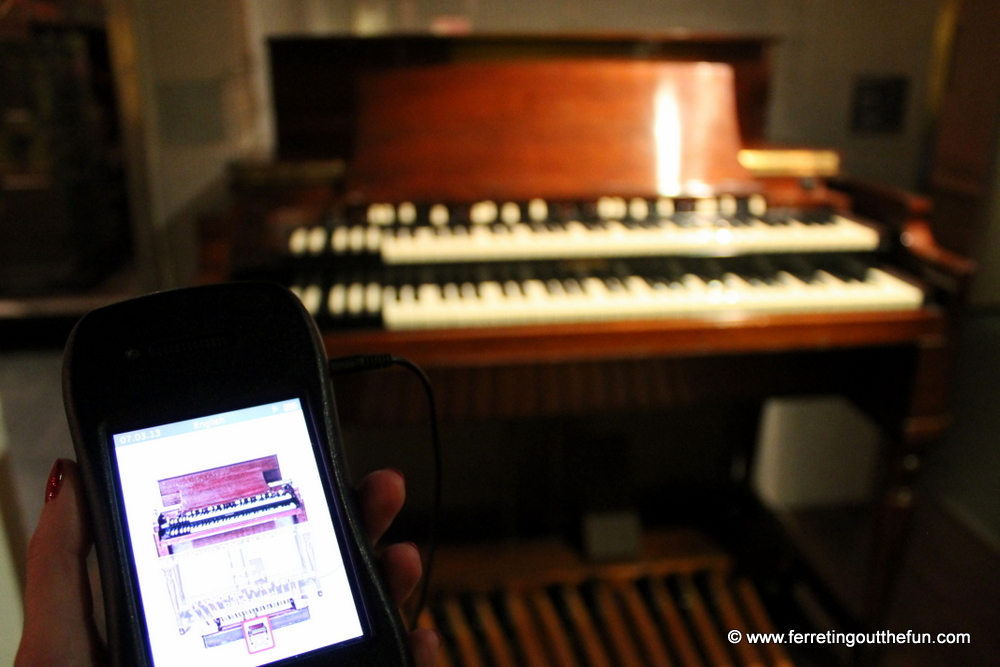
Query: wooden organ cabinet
[(562, 226)]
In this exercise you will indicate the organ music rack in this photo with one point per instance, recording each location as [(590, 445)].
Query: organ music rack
[(503, 139)]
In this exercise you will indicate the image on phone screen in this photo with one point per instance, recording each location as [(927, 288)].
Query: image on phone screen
[(236, 555)]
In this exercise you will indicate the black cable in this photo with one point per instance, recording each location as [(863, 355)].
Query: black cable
[(371, 362)]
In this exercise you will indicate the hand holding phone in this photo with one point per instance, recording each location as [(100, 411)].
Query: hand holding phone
[(206, 431), (59, 624)]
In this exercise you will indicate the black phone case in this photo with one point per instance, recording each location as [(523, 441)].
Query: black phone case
[(201, 343)]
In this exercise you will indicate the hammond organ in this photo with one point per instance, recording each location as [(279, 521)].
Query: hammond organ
[(520, 211), (237, 522)]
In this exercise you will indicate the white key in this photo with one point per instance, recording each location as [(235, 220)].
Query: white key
[(595, 287), (638, 208), (664, 207), (355, 298), (389, 294), (512, 290), (439, 215), (373, 239), (621, 207), (405, 311), (317, 240), (706, 206), (490, 291), (336, 301), (483, 213), (381, 214), (298, 241), (535, 290), (356, 239), (312, 297), (510, 213), (538, 210), (757, 205), (637, 287), (427, 293), (605, 208), (727, 205), (388, 214), (406, 213), (338, 240)]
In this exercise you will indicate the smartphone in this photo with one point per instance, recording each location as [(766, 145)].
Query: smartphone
[(206, 432)]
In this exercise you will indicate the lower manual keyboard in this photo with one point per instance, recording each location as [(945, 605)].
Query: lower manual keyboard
[(644, 293)]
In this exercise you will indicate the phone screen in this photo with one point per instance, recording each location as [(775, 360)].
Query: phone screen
[(235, 551)]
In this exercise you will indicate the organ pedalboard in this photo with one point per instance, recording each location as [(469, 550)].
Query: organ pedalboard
[(540, 604), (413, 266)]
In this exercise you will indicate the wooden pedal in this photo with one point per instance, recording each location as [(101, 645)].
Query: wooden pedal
[(660, 611)]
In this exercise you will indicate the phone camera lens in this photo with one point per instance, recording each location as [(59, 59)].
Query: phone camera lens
[(132, 354)]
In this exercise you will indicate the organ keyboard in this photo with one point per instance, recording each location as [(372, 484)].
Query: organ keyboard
[(480, 265), (506, 294), (639, 228), (210, 506), (275, 500)]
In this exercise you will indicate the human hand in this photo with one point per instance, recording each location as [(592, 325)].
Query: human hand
[(59, 627)]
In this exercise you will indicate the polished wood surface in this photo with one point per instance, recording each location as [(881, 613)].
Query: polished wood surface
[(219, 485), (551, 129), (643, 338), (315, 79)]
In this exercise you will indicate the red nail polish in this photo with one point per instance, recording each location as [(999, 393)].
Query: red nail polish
[(55, 481)]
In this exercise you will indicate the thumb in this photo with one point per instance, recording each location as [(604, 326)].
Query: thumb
[(58, 613)]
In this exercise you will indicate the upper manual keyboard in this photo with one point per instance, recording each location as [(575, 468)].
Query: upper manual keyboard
[(611, 227)]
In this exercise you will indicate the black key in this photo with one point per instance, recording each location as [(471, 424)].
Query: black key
[(800, 268), (853, 268)]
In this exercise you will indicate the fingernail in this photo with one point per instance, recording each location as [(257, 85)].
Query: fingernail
[(55, 481), (398, 472)]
